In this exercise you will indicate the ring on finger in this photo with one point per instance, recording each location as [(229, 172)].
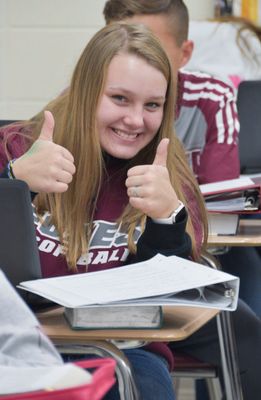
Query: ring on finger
[(135, 192)]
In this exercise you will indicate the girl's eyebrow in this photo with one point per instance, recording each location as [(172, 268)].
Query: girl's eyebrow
[(158, 98), (123, 90), (118, 87)]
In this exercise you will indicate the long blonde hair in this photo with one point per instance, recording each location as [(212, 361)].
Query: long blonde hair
[(75, 128)]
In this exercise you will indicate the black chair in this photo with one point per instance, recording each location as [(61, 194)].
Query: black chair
[(249, 112), (4, 122)]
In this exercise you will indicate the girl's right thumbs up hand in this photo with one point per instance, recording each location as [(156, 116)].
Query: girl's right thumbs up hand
[(46, 166)]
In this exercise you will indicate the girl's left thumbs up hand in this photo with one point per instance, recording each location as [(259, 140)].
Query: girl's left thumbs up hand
[(149, 187)]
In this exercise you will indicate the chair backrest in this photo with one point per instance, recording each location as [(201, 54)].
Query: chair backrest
[(249, 112), (4, 122)]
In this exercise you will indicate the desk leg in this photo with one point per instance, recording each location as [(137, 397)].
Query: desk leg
[(127, 386), (231, 376), (228, 348)]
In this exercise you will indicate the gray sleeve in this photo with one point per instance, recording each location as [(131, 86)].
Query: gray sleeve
[(22, 343)]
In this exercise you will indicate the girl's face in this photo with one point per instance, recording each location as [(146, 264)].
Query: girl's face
[(131, 107)]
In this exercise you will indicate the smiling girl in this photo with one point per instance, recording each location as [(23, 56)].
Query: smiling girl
[(114, 185)]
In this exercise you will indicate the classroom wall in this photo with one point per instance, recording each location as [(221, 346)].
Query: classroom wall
[(200, 9), (40, 41)]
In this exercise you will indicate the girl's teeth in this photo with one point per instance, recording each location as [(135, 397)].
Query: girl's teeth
[(125, 135)]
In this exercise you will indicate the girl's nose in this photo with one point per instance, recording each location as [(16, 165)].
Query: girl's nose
[(134, 118)]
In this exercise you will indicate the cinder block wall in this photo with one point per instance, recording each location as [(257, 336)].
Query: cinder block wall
[(39, 44), (40, 41)]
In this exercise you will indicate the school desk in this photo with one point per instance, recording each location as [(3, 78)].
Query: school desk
[(178, 324), (249, 234)]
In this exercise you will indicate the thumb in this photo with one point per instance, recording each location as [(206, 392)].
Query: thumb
[(162, 153), (48, 127)]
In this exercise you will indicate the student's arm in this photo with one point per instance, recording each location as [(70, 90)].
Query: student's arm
[(220, 157), (21, 340)]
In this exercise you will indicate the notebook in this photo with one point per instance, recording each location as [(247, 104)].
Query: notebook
[(19, 257)]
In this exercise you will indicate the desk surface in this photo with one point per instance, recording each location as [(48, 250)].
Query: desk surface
[(179, 323), (249, 234)]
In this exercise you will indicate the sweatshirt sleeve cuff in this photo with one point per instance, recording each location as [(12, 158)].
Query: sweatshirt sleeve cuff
[(165, 239), (5, 174)]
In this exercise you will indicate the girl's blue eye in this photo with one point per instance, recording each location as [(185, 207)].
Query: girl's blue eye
[(152, 105), (118, 97)]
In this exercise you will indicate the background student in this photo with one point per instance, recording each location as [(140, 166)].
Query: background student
[(230, 47), (22, 343), (206, 122), (29, 361), (132, 194)]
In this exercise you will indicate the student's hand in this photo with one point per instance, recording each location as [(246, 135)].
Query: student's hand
[(149, 188), (46, 166)]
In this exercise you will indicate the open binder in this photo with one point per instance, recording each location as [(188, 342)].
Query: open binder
[(240, 195), (158, 281)]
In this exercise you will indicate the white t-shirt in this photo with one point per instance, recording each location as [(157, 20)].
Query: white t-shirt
[(216, 52)]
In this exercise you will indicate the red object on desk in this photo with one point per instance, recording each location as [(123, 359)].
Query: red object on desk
[(222, 197)]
